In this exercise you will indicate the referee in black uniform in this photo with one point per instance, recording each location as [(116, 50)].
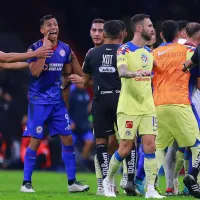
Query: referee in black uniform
[(101, 65)]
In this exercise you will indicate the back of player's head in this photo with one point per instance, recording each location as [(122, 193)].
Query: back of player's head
[(112, 29), (123, 25), (139, 18), (46, 17), (182, 24), (169, 30), (192, 28), (99, 21)]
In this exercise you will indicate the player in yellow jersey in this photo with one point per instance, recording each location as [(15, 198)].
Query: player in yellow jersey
[(136, 110)]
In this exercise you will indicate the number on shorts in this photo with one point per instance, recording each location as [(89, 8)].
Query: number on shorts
[(155, 124)]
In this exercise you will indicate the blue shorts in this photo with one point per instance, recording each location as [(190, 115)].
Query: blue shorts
[(54, 115), (82, 137)]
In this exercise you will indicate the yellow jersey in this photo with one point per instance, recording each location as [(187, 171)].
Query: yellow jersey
[(136, 93)]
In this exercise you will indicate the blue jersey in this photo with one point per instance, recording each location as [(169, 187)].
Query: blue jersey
[(46, 89)]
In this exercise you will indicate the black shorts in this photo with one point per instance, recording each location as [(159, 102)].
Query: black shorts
[(104, 112)]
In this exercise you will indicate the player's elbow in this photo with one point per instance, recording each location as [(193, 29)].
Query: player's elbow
[(34, 73)]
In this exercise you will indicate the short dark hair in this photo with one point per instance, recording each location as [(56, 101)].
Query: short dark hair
[(98, 20), (46, 17), (123, 25), (112, 29), (192, 28), (182, 24), (169, 30), (137, 18)]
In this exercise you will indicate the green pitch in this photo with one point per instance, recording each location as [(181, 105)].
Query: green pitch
[(53, 186)]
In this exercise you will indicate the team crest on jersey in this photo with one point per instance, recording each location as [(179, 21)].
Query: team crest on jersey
[(144, 58), (62, 52), (39, 129)]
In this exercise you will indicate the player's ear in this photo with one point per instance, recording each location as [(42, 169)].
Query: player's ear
[(42, 30), (139, 28), (161, 35)]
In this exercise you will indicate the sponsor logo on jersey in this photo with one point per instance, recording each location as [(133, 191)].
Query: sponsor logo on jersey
[(129, 124)]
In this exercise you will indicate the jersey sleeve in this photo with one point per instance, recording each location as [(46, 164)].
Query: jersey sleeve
[(190, 52), (33, 47), (194, 57), (87, 68), (121, 55)]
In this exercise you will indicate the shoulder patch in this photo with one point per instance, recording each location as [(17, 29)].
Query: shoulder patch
[(123, 49)]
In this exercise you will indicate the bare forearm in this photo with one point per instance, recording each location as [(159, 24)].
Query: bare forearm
[(37, 67), (15, 57), (189, 64), (16, 65), (124, 73)]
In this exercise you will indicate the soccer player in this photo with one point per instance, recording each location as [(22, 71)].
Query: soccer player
[(81, 131), (100, 63), (174, 159), (139, 180), (96, 33), (136, 110), (193, 33), (176, 120), (46, 104)]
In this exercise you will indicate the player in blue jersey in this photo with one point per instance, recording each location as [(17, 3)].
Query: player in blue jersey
[(46, 104)]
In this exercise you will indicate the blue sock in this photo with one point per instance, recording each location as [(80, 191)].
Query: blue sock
[(29, 164), (68, 156), (140, 172)]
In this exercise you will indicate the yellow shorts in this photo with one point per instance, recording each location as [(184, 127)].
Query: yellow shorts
[(129, 125), (176, 123)]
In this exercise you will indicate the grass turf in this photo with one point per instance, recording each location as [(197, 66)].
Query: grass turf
[(53, 186)]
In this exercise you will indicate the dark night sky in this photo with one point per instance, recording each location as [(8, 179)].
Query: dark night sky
[(75, 16)]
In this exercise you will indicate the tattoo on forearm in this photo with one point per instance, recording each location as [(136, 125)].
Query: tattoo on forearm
[(124, 73)]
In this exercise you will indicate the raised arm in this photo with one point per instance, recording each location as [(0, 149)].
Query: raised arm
[(37, 66)]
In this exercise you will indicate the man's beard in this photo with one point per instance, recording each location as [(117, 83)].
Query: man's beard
[(145, 36)]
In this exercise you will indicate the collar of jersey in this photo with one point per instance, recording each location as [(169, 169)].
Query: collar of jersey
[(165, 43), (54, 48), (189, 44)]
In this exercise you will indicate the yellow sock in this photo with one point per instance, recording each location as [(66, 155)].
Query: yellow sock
[(150, 168), (113, 167), (179, 163), (97, 168), (160, 155)]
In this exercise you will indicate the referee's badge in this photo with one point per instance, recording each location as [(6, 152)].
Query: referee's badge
[(62, 52)]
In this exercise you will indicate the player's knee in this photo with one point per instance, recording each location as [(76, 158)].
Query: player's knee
[(67, 140), (149, 143), (103, 140), (112, 145), (34, 144), (89, 143), (125, 148)]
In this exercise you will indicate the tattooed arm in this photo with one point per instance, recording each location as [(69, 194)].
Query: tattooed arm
[(125, 73)]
